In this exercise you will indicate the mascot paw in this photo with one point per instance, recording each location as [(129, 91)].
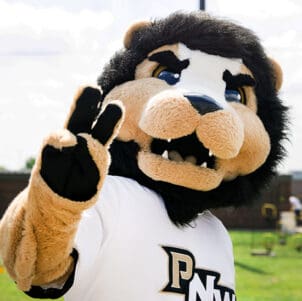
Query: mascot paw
[(74, 160)]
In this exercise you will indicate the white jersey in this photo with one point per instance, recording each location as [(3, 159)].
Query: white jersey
[(130, 250)]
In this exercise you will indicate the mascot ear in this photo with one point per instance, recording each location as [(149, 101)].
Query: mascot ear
[(278, 74), (134, 28)]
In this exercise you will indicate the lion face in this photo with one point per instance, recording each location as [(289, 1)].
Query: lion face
[(194, 116)]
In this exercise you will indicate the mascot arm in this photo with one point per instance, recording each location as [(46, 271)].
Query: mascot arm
[(38, 229)]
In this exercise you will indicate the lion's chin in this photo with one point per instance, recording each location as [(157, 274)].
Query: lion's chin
[(183, 174)]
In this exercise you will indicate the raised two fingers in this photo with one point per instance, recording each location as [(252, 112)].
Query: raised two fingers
[(83, 117), (72, 164)]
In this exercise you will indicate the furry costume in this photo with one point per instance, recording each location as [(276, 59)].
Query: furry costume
[(191, 112)]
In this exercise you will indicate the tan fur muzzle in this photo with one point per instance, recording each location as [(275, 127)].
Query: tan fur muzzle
[(170, 115)]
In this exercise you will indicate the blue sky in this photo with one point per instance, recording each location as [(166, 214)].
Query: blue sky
[(51, 47)]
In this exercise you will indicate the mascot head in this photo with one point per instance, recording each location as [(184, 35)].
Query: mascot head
[(203, 124)]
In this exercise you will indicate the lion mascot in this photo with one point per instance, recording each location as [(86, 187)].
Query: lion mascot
[(187, 118)]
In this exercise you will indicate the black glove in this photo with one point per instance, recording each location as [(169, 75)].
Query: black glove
[(71, 171)]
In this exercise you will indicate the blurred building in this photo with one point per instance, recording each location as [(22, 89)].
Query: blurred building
[(260, 215), (297, 184), (10, 185)]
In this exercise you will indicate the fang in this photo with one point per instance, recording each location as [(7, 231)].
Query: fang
[(204, 164), (165, 154)]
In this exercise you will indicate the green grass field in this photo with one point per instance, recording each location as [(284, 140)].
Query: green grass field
[(267, 278), (9, 291), (257, 277)]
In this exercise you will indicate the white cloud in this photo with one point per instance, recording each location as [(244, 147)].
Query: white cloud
[(288, 40), (26, 29), (260, 9)]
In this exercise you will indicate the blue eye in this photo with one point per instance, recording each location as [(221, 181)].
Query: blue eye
[(169, 77), (235, 95)]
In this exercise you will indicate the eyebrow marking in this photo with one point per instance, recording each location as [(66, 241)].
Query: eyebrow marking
[(169, 59), (238, 80)]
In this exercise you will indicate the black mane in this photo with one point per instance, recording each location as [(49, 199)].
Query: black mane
[(219, 37)]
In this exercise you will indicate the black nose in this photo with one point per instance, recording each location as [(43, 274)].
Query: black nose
[(203, 103)]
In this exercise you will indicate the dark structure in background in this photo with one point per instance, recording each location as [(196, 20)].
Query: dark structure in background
[(202, 4), (297, 184), (244, 217), (250, 217), (10, 185)]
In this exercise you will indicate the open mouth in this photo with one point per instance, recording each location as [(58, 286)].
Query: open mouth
[(184, 149)]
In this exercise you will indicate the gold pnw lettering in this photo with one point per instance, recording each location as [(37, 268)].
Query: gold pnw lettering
[(179, 274)]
